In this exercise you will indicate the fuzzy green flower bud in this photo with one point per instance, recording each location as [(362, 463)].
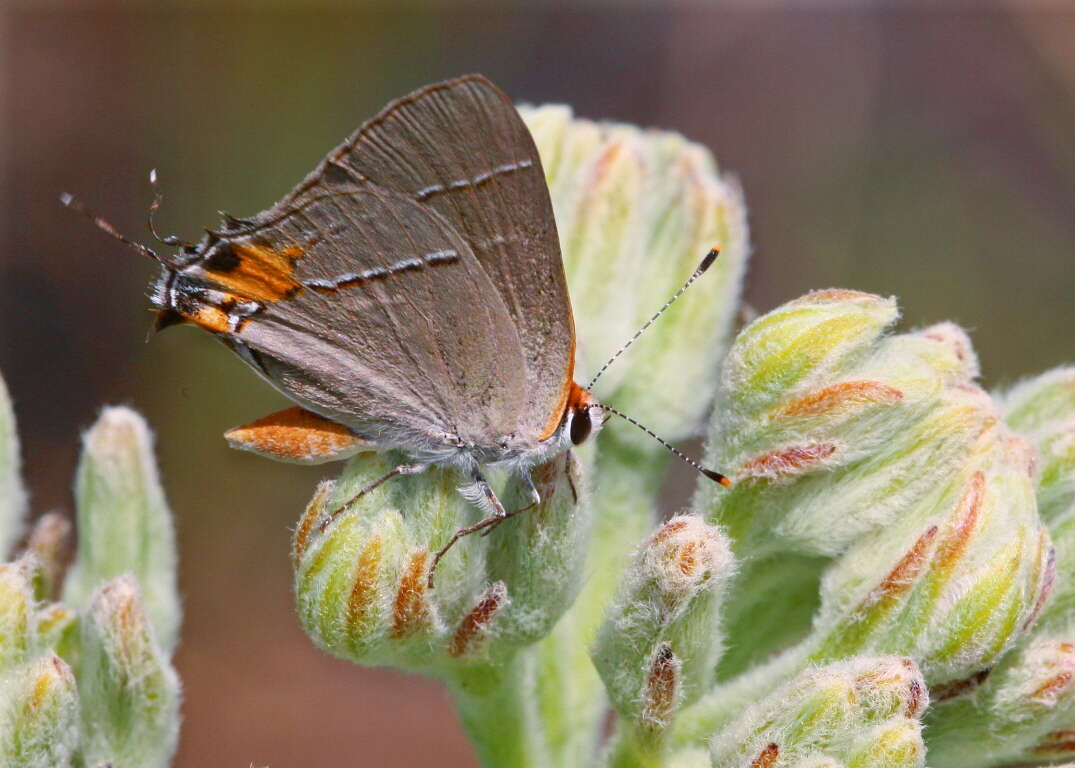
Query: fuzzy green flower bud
[(17, 613), (54, 625), (12, 495), (861, 712), (844, 441), (1015, 713), (955, 589), (636, 212), (831, 429), (362, 568), (130, 693), (1021, 711), (660, 641), (38, 714), (48, 544), (1043, 409), (123, 520)]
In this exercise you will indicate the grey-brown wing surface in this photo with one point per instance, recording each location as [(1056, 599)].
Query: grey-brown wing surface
[(369, 309), (461, 149)]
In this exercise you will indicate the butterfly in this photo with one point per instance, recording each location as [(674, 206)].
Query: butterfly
[(407, 295)]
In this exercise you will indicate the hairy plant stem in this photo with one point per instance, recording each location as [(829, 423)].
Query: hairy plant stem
[(500, 713), (632, 748), (573, 700)]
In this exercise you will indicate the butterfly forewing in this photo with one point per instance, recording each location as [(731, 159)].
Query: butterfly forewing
[(461, 149), (389, 325)]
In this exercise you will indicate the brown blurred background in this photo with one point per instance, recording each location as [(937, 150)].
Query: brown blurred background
[(922, 153)]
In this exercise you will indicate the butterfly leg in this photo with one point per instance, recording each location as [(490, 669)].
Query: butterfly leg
[(402, 469), (487, 498), (535, 499)]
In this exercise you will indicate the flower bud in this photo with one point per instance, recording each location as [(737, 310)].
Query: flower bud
[(832, 432), (130, 693), (12, 495), (660, 641), (895, 744), (860, 712), (54, 624), (953, 588), (830, 429), (539, 554), (362, 566), (123, 520), (17, 608), (637, 211), (38, 714), (48, 544), (1019, 711), (1012, 714), (1043, 409)]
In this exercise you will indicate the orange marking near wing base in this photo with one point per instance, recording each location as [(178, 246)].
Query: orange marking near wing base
[(299, 436), (572, 398), (210, 318), (255, 272)]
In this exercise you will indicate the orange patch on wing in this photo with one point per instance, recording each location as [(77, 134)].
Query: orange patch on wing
[(255, 272), (298, 436), (844, 394), (210, 318)]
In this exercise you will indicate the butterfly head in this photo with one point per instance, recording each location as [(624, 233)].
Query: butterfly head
[(584, 414)]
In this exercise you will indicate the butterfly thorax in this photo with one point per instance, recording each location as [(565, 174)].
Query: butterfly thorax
[(516, 452)]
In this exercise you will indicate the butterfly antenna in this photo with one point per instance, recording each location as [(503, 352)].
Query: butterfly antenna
[(707, 262), (713, 475), (154, 181), (79, 207)]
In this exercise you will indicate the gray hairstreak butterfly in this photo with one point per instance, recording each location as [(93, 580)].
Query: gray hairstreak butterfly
[(407, 295)]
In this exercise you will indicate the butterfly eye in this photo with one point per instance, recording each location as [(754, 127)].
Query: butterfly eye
[(581, 426)]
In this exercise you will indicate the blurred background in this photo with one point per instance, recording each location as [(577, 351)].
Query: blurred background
[(923, 153)]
